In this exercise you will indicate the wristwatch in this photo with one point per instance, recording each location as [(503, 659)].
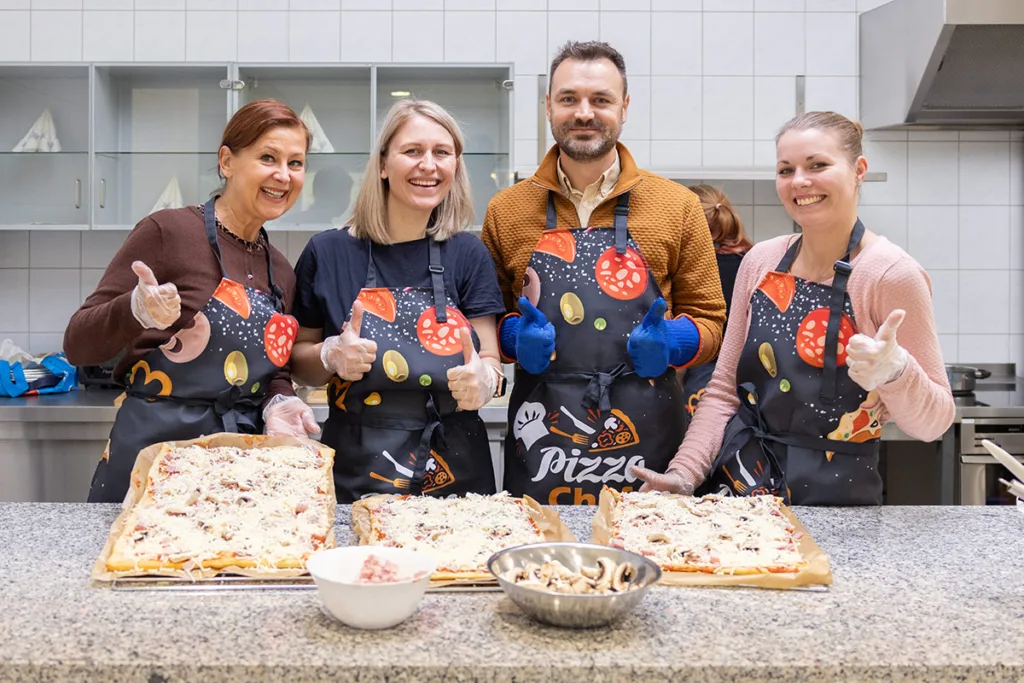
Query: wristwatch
[(499, 386)]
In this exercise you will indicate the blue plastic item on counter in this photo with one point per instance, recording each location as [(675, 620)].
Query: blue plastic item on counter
[(50, 374)]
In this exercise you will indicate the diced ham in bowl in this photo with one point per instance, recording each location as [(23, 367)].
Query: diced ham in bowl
[(371, 587)]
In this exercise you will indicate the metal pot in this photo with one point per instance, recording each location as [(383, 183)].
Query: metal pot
[(962, 378)]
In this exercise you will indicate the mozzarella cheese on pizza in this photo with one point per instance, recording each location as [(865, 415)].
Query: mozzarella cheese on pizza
[(714, 533), (460, 534), (219, 507)]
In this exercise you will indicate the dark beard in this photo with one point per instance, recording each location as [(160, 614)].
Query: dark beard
[(581, 151)]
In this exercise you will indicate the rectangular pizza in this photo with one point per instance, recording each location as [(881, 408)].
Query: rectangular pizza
[(712, 535), (219, 507), (461, 534)]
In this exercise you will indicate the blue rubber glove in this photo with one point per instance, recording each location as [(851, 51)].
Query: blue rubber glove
[(528, 339), (656, 343)]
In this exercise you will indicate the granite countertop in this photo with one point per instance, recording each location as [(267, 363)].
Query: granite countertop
[(920, 594)]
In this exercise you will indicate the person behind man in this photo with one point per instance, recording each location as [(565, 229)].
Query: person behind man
[(591, 253)]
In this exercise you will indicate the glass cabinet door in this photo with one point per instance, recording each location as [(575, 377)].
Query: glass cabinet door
[(44, 147), (334, 101), (156, 138), (479, 97)]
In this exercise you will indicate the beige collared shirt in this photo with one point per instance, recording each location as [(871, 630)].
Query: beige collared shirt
[(590, 198)]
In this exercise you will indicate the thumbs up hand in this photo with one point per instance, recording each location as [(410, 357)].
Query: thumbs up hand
[(875, 361), (347, 354), (656, 343), (472, 383), (648, 343), (534, 338), (154, 305)]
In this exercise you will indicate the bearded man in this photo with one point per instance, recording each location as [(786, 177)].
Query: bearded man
[(611, 279)]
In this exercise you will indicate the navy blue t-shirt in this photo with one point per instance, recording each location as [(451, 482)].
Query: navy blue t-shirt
[(332, 269)]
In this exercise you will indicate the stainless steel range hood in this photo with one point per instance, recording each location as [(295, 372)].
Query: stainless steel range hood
[(942, 63)]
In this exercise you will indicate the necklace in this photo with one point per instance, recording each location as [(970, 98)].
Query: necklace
[(249, 246)]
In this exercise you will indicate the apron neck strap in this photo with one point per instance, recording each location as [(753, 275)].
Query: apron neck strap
[(837, 301), (551, 218), (437, 281), (620, 224), (436, 276), (210, 223)]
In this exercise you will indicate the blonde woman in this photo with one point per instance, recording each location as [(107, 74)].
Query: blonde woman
[(397, 315)]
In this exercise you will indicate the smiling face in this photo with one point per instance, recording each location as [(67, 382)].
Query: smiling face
[(586, 107), (265, 178), (419, 165), (815, 178)]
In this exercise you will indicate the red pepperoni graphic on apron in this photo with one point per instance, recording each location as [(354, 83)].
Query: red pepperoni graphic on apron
[(810, 338), (780, 288), (622, 276), (279, 338), (442, 339), (233, 295), (380, 302), (560, 243)]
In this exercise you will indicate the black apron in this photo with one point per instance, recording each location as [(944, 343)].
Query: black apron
[(804, 430), (397, 429), (208, 378), (589, 417)]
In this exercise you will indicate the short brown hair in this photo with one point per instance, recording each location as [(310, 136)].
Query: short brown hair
[(369, 218), (590, 51), (850, 134), (726, 226), (252, 120)]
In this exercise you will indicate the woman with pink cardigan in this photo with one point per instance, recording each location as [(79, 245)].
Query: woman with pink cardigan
[(831, 335)]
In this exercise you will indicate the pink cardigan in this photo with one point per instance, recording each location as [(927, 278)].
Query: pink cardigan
[(884, 278)]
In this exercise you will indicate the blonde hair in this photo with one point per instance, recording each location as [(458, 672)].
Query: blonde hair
[(850, 134), (725, 224), (369, 218)]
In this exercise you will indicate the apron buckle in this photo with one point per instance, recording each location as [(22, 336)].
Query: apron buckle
[(842, 267)]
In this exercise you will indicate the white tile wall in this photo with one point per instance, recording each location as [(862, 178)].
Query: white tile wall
[(711, 81), (15, 39), (314, 36), (469, 36), (676, 43)]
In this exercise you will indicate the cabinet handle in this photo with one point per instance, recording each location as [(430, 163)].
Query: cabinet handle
[(103, 193), (78, 193)]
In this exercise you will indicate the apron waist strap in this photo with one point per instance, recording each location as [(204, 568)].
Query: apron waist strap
[(228, 405), (597, 394)]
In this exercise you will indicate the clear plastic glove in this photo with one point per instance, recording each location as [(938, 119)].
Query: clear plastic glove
[(154, 305), (878, 361), (670, 482), (472, 383), (346, 354), (289, 416)]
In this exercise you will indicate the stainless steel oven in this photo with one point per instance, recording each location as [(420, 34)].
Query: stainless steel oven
[(979, 471)]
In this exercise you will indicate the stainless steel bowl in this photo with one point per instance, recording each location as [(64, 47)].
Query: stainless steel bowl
[(572, 611)]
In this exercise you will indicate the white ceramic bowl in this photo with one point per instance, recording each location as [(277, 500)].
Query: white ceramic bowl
[(370, 605)]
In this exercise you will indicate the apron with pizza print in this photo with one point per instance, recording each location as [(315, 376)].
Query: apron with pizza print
[(210, 377), (581, 424), (801, 432), (397, 429)]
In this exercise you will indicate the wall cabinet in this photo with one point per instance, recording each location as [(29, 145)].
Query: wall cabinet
[(138, 137)]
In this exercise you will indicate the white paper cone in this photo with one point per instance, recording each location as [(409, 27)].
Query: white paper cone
[(41, 137), (170, 198), (320, 144)]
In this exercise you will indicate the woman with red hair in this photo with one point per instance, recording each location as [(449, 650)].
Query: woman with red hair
[(199, 301), (731, 244)]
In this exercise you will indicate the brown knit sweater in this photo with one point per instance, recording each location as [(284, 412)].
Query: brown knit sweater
[(665, 219), (173, 243)]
